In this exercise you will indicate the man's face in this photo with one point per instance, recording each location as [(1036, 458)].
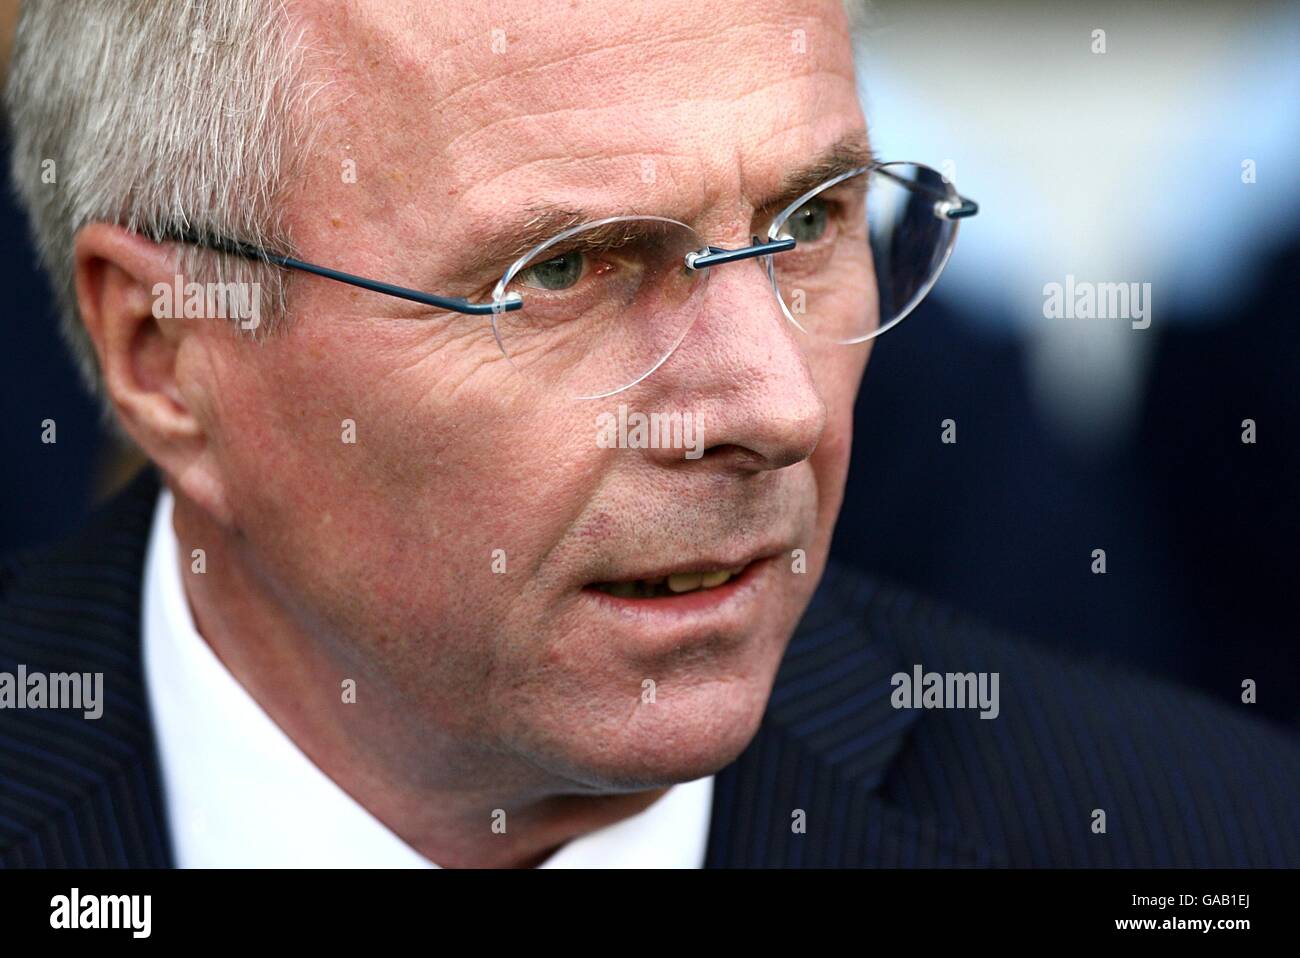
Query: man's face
[(444, 120)]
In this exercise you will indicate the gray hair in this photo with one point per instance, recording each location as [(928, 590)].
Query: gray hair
[(155, 115)]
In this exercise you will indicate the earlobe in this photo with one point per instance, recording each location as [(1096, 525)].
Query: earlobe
[(200, 482)]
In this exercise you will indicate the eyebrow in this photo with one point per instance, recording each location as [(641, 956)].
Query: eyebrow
[(505, 241), (849, 153)]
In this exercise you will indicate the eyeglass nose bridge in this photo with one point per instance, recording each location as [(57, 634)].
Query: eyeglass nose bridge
[(717, 255)]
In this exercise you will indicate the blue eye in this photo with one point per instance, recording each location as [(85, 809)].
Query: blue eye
[(808, 223), (554, 274)]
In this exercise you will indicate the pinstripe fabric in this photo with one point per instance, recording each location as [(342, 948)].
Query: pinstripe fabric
[(74, 792), (1183, 781)]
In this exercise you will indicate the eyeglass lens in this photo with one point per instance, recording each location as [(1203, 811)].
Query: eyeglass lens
[(606, 303)]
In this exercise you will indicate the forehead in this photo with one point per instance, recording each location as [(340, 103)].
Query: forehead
[(474, 103)]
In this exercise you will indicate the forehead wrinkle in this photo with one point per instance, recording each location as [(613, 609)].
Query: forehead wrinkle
[(604, 183), (451, 127), (647, 128), (444, 158), (655, 73), (532, 74), (603, 167), (656, 44), (443, 46), (591, 169)]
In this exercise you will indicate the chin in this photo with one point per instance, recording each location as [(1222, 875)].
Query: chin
[(680, 737)]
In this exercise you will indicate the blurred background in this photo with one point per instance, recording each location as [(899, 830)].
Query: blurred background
[(1170, 159), (1132, 165)]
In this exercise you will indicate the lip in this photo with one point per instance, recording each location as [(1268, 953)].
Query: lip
[(702, 606), (742, 562)]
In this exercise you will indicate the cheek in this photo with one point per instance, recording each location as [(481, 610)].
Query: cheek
[(838, 373), (393, 478)]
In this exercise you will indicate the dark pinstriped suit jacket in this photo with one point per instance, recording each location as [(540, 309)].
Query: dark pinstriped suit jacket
[(1182, 781)]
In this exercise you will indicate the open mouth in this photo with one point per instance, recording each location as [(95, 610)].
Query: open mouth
[(678, 583)]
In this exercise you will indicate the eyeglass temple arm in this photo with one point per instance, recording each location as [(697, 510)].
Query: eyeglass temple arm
[(716, 255), (250, 251)]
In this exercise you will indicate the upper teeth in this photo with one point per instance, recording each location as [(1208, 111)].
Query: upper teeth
[(676, 583)]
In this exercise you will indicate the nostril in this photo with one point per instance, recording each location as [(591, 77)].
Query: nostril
[(732, 454)]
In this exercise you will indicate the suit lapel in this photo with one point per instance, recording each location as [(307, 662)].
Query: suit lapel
[(78, 792), (803, 793)]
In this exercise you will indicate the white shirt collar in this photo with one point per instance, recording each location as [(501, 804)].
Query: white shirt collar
[(240, 793)]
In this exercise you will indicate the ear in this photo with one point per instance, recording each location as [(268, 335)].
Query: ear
[(120, 276)]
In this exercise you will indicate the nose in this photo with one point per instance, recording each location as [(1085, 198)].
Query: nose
[(741, 370)]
